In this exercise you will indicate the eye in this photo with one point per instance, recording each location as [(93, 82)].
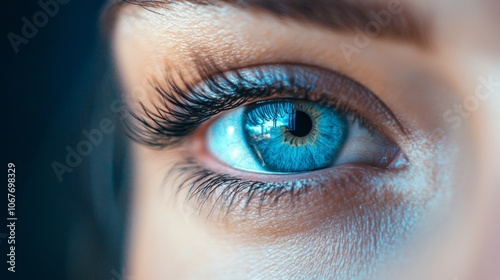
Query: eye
[(272, 119), (291, 135)]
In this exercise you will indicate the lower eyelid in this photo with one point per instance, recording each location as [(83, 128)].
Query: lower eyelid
[(313, 199)]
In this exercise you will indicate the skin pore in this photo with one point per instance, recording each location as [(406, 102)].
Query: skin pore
[(354, 222)]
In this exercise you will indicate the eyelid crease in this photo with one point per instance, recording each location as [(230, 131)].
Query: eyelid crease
[(184, 106), (407, 24)]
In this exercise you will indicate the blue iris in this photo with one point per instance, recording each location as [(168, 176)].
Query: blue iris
[(287, 135), (279, 135)]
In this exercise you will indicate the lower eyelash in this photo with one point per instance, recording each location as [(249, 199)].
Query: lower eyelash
[(224, 192), (227, 191)]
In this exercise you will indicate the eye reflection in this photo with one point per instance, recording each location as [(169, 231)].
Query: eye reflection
[(294, 136), (291, 135)]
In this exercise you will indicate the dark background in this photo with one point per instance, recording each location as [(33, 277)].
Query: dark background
[(59, 83)]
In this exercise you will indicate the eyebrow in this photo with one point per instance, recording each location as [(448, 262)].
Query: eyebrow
[(372, 19)]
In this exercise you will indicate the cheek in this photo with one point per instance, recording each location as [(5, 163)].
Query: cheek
[(344, 232), (343, 239), (166, 240)]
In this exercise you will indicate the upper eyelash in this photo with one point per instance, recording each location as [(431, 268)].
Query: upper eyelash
[(184, 107)]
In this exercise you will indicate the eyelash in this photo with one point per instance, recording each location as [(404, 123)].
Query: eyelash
[(226, 192), (184, 107), (202, 184)]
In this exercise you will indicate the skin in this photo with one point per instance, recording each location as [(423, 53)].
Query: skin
[(432, 220)]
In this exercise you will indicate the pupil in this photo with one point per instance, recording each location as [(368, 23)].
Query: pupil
[(300, 124)]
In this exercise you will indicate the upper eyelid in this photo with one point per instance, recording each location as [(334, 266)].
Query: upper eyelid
[(167, 123)]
